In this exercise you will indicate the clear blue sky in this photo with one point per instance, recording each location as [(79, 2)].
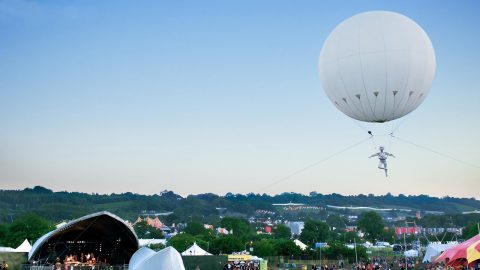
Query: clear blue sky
[(220, 96)]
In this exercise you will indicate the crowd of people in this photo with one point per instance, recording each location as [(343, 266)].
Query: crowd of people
[(88, 258), (72, 260), (376, 263), (242, 266)]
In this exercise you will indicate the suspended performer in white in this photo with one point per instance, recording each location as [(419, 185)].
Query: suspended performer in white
[(376, 67), (382, 159)]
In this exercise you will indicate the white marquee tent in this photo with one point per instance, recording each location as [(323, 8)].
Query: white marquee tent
[(24, 247), (195, 250), (411, 253), (433, 250)]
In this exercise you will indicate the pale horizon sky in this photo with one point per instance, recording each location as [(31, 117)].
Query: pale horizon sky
[(222, 96)]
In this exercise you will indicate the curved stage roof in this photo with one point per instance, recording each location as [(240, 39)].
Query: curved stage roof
[(103, 234)]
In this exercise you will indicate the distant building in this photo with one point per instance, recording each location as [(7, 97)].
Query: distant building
[(350, 228), (288, 204), (471, 212), (366, 208), (434, 213), (295, 226), (435, 231), (352, 218), (154, 213), (408, 230), (222, 231)]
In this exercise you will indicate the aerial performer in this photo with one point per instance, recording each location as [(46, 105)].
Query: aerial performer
[(376, 67), (382, 159)]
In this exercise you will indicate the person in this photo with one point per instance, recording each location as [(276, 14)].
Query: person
[(4, 265), (58, 264), (382, 157)]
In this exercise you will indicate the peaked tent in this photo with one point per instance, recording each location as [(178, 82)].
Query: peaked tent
[(195, 250), (301, 245), (433, 250), (473, 252), (457, 252), (24, 247)]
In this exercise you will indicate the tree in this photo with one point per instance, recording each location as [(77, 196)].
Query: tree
[(335, 221), (286, 247), (264, 248), (3, 234), (195, 228), (351, 237), (226, 244), (372, 225), (28, 226), (314, 231), (157, 247), (239, 226), (181, 241), (388, 235), (470, 231), (282, 232), (340, 251), (143, 230)]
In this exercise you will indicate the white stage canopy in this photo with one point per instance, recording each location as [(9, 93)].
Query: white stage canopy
[(166, 259)]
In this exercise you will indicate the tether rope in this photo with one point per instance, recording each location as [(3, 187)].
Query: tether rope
[(437, 152), (315, 164)]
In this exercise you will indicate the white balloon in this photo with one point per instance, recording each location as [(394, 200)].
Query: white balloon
[(377, 66)]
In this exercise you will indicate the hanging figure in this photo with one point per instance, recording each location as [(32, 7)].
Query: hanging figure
[(382, 157)]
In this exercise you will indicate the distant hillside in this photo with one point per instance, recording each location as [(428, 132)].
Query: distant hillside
[(57, 206)]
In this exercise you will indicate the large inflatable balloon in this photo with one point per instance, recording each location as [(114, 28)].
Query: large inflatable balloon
[(377, 66)]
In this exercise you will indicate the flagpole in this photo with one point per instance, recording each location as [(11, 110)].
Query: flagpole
[(355, 246), (405, 243)]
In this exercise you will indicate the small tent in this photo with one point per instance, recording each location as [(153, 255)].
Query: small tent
[(301, 245), (195, 250), (411, 253), (24, 247)]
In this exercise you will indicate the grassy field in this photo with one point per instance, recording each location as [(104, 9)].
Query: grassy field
[(14, 259)]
